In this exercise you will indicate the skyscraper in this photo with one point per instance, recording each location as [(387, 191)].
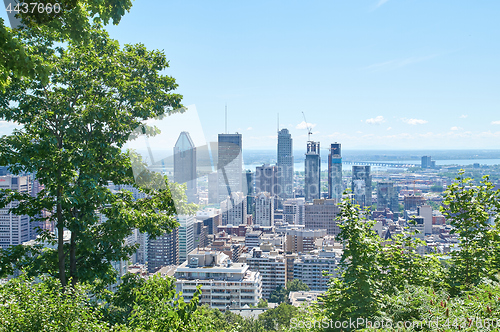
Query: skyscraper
[(362, 185), (229, 165), (185, 165), (266, 180), (335, 186), (312, 168), (285, 163)]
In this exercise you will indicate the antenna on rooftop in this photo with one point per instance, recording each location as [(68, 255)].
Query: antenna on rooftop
[(278, 122)]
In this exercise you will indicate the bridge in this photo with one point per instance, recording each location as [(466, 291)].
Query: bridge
[(380, 163)]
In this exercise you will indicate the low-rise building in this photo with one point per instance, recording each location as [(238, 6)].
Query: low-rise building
[(224, 284)]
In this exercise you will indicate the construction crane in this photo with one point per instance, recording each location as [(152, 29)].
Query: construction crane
[(309, 129)]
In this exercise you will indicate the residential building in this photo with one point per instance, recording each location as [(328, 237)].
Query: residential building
[(310, 268), (15, 229), (271, 265), (224, 284), (264, 209), (163, 251), (234, 209), (301, 240)]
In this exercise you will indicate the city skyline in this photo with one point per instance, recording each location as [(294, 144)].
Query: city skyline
[(371, 74)]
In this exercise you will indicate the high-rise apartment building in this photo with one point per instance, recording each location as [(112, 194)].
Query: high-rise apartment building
[(285, 163), (272, 267), (312, 168), (264, 209), (163, 251), (362, 185), (229, 165), (185, 165), (322, 214), (387, 196), (335, 185), (186, 236), (14, 229), (426, 162), (310, 268)]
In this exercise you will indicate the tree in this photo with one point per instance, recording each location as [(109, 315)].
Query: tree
[(74, 128), (357, 293), (278, 318), (470, 210), (278, 295), (296, 285), (72, 22), (44, 307)]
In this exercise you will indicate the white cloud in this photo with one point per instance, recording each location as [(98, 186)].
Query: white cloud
[(249, 128), (304, 125), (414, 121), (455, 128), (463, 116), (381, 2), (389, 128), (495, 122), (398, 63), (378, 120)]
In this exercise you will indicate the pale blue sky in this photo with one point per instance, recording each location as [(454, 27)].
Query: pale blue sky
[(371, 74)]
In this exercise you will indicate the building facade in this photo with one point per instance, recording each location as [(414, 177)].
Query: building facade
[(224, 284), (335, 184), (229, 165), (186, 236), (234, 209), (163, 251), (15, 229), (285, 163), (387, 196), (312, 169), (185, 165), (264, 209), (362, 185), (322, 214)]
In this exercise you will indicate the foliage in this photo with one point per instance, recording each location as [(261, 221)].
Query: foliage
[(296, 285), (278, 318), (73, 22), (74, 127), (403, 265), (470, 209), (262, 304), (280, 294), (357, 293), (27, 306), (433, 310)]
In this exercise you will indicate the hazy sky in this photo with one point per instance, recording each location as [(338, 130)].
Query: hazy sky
[(373, 74)]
